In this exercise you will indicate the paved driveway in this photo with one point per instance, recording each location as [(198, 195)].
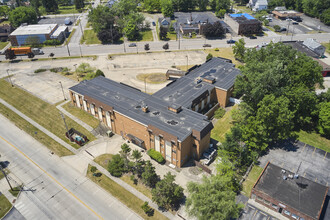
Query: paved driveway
[(313, 163)]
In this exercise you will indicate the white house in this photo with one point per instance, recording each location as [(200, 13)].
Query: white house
[(258, 5)]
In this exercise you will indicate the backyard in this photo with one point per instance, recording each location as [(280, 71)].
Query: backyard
[(314, 139), (5, 205), (89, 37), (251, 180)]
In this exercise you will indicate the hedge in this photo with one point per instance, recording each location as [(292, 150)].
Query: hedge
[(156, 156)]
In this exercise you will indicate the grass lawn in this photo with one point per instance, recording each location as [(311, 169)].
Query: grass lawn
[(243, 9), (225, 53), (4, 22), (3, 44), (15, 191), (327, 46), (222, 126), (43, 113), (147, 35), (71, 34), (70, 9), (184, 67), (34, 132), (82, 115), (251, 179), (103, 160), (314, 139), (153, 78), (127, 198), (1, 174), (171, 36), (5, 205), (90, 37)]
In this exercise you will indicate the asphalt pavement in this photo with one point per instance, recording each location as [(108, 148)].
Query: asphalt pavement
[(52, 188)]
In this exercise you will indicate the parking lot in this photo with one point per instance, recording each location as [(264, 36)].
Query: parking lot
[(58, 20), (308, 161), (308, 25), (252, 213)]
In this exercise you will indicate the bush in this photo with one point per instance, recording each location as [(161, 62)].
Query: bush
[(93, 169), (99, 73), (216, 49), (116, 166), (156, 156), (147, 209), (219, 113), (40, 70), (277, 28), (53, 42), (209, 56)]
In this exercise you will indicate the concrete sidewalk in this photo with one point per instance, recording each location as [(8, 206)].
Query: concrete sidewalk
[(50, 134)]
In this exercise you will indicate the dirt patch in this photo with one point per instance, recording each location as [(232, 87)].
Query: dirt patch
[(154, 78)]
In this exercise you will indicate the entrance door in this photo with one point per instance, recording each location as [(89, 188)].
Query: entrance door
[(168, 151), (77, 101), (93, 109), (280, 210), (157, 144), (100, 113), (208, 99), (85, 105), (107, 116), (203, 102), (196, 108)]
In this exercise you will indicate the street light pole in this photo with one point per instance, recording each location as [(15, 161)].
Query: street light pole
[(12, 85), (62, 90), (65, 125), (187, 62), (75, 67)]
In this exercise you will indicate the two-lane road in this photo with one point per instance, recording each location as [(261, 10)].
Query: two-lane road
[(57, 190)]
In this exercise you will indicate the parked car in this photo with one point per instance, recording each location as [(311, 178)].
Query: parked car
[(67, 21), (298, 19), (269, 19), (288, 19), (295, 23), (132, 45), (231, 41), (253, 37), (153, 23), (207, 45)]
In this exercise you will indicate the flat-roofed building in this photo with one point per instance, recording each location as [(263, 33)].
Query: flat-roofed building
[(243, 23), (294, 196), (283, 14)]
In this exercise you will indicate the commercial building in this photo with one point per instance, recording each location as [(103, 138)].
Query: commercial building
[(293, 196), (169, 121), (243, 24), (35, 33), (283, 14)]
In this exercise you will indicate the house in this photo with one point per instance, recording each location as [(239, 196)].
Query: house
[(312, 49), (289, 194), (258, 5), (243, 23), (164, 22), (5, 30), (41, 33), (173, 121)]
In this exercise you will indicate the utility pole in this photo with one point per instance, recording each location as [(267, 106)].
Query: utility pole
[(67, 47), (81, 30), (80, 50), (4, 173), (12, 85), (75, 67), (65, 125), (62, 90)]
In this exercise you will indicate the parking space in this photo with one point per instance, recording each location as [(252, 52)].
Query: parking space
[(57, 20), (253, 213), (306, 160)]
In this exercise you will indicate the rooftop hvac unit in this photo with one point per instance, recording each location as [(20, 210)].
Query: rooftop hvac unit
[(290, 176), (283, 171)]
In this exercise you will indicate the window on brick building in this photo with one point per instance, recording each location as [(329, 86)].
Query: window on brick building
[(267, 202), (274, 206), (286, 212), (259, 198), (295, 216)]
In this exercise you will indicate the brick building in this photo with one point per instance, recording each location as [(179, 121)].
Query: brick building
[(293, 196), (243, 23), (169, 121)]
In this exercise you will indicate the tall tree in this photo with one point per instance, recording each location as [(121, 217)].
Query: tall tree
[(149, 176), (167, 8), (324, 119), (213, 30), (111, 35), (167, 194), (101, 18), (36, 4), (116, 166), (50, 5), (4, 11), (79, 4), (212, 199), (202, 4), (22, 15), (152, 5), (239, 49)]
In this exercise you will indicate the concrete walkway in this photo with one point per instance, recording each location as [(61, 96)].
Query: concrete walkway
[(50, 134), (4, 187), (267, 210)]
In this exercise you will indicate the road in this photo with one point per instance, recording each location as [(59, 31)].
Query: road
[(185, 44), (53, 189)]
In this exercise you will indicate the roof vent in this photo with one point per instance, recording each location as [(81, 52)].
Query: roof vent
[(138, 106), (172, 122), (175, 108), (145, 109), (209, 80), (156, 113), (290, 176)]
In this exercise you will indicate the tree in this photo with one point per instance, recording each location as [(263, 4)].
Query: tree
[(325, 16), (125, 149), (42, 11), (216, 5), (202, 4), (166, 46), (212, 199), (221, 13), (136, 155), (109, 35), (167, 194), (209, 56), (167, 8), (4, 11), (152, 5), (162, 33), (146, 47), (213, 30), (79, 4), (50, 5), (116, 166), (102, 18), (277, 28), (324, 119), (239, 49), (147, 209), (131, 31), (22, 15), (149, 176), (99, 73)]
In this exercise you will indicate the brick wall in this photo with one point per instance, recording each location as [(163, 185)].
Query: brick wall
[(223, 96)]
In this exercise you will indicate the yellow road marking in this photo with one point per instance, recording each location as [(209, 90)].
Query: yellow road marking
[(52, 178), (325, 155), (314, 151)]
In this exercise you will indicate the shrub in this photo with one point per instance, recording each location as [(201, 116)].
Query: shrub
[(93, 169), (209, 56), (277, 28), (116, 166), (40, 70), (216, 49), (147, 209), (56, 70), (219, 113), (156, 156), (52, 42)]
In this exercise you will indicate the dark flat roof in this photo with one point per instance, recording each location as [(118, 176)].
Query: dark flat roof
[(128, 101), (298, 45), (301, 194)]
